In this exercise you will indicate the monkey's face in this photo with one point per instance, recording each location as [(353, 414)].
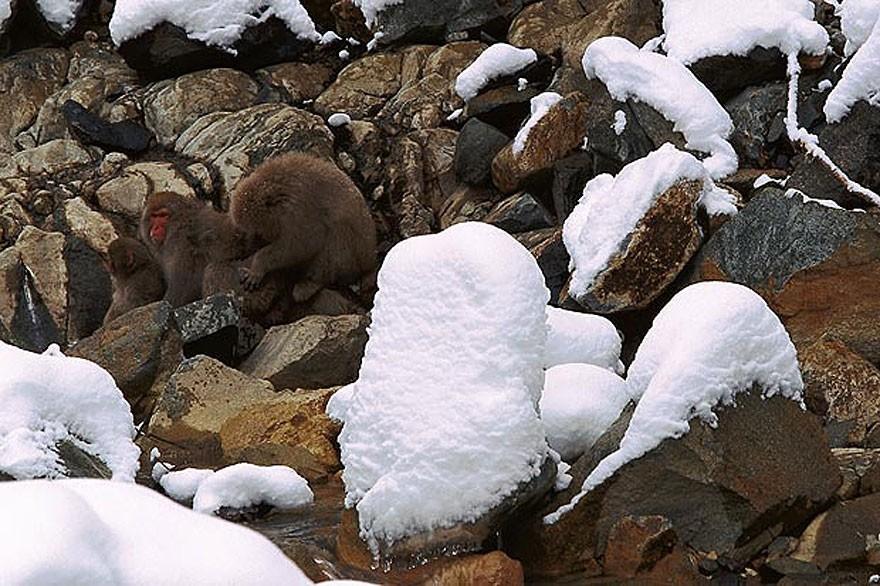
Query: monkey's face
[(159, 225)]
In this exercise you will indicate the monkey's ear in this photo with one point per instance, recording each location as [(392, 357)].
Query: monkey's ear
[(129, 259)]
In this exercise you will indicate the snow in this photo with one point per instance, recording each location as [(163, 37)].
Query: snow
[(444, 425), (329, 38), (712, 341), (860, 80), (339, 119), (619, 122), (670, 88), (218, 23), (611, 207), (579, 404), (857, 19), (344, 55), (5, 11), (824, 85), (59, 12), (98, 532), (48, 398), (496, 61), (371, 10), (521, 84), (696, 29), (540, 105), (581, 337), (244, 485), (339, 402), (181, 485)]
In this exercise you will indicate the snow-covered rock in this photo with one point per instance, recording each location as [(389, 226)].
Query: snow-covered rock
[(669, 87), (712, 341), (579, 404), (99, 532), (181, 485), (48, 398), (443, 425), (540, 105), (496, 61), (857, 20), (245, 485), (860, 80), (576, 337)]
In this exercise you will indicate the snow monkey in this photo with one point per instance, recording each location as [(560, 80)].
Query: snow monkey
[(312, 221), (137, 279)]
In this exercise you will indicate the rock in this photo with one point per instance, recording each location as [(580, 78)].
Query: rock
[(28, 79), (296, 433), (859, 470), (645, 548), (80, 464), (758, 132), (654, 254), (477, 145), (503, 107), (544, 26), (851, 144), (570, 176), (127, 136), (201, 396), (844, 536), (297, 82), (490, 568), (727, 75), (842, 386), (817, 285), (730, 489), (50, 158), (437, 158), (363, 87), (366, 144), (555, 135), (316, 352), (428, 20), (88, 225), (553, 259), (520, 213), (235, 143), (126, 192), (141, 349), (210, 327), (171, 106)]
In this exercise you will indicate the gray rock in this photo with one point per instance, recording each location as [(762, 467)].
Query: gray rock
[(434, 20), (210, 327), (477, 145), (519, 213)]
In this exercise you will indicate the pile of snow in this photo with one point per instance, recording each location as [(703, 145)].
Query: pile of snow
[(99, 532), (712, 341), (496, 61), (218, 23), (575, 337), (339, 402), (611, 207), (540, 105), (443, 424), (181, 485), (372, 8), (857, 20), (670, 88), (696, 29), (860, 80), (579, 404), (244, 485), (49, 398)]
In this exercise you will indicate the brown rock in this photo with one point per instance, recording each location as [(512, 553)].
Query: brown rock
[(299, 81), (126, 192), (50, 158), (636, 20), (847, 534), (363, 87), (42, 253), (859, 470), (543, 26)]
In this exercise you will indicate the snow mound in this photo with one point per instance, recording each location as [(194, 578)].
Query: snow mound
[(576, 337), (540, 105), (99, 532), (670, 88), (181, 485), (696, 29), (857, 20), (244, 485), (61, 13), (339, 402), (860, 80), (496, 61), (372, 8), (579, 404), (712, 341), (49, 398), (444, 423), (611, 207), (218, 23)]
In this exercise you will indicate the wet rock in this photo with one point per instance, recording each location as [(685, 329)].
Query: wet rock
[(520, 213), (235, 143), (316, 352), (654, 254), (210, 327), (171, 106), (730, 489), (295, 432), (127, 191), (556, 134), (141, 349), (127, 136), (363, 87), (297, 82), (427, 21), (845, 535), (50, 158), (815, 266), (477, 145)]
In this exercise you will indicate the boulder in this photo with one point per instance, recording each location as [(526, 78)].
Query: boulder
[(726, 75), (553, 259), (126, 135), (477, 145), (210, 326), (363, 87), (433, 21), (844, 536), (646, 549), (758, 129), (50, 158), (520, 213), (126, 191), (297, 82), (544, 25), (859, 471)]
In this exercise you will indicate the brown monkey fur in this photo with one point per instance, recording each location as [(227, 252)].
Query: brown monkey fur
[(137, 279), (312, 220)]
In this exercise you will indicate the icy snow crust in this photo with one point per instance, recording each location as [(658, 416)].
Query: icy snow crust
[(443, 422), (540, 105), (579, 404), (860, 80), (496, 61), (214, 22), (581, 337), (47, 398), (97, 532), (611, 207), (696, 29), (712, 341), (244, 485), (857, 19), (670, 88)]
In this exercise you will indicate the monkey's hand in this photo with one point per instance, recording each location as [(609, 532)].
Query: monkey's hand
[(251, 279)]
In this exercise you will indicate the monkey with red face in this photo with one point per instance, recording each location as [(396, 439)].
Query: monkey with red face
[(137, 279)]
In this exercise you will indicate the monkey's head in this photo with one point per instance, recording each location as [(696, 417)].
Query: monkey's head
[(125, 256), (159, 215)]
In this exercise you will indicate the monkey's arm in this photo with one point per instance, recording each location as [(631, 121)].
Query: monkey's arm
[(284, 253)]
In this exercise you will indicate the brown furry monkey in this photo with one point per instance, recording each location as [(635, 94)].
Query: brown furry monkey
[(314, 223), (137, 279)]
